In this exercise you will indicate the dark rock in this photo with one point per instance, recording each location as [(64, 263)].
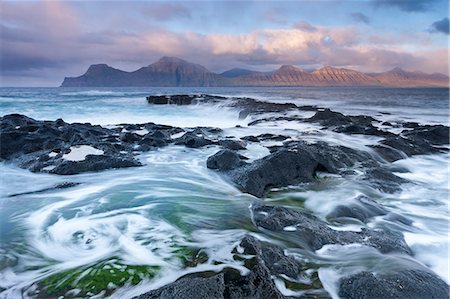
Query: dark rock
[(333, 158), (417, 284), (191, 286), (280, 169), (193, 140), (224, 160), (269, 136), (94, 163), (228, 283), (411, 124), (63, 185), (362, 129), (182, 99), (314, 233), (388, 153), (328, 118), (274, 119), (408, 146), (384, 180), (252, 106), (129, 137), (364, 209), (273, 256), (232, 144), (250, 138), (435, 135)]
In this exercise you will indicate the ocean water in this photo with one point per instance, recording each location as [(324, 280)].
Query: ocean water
[(133, 228)]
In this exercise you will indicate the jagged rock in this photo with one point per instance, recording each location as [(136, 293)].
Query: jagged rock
[(315, 233), (224, 160), (94, 163), (384, 180), (193, 140), (328, 118), (273, 256), (280, 169), (229, 283), (232, 144), (417, 284), (435, 135)]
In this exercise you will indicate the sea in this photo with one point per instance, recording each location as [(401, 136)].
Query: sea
[(123, 232)]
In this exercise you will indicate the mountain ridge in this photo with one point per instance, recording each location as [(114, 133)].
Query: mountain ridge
[(173, 71)]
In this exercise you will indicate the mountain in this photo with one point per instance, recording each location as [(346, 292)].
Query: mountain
[(98, 75), (236, 72), (168, 71), (172, 71), (400, 77)]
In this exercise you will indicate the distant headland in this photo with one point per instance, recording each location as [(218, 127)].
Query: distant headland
[(172, 71)]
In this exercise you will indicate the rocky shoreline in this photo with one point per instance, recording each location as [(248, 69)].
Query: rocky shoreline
[(60, 148)]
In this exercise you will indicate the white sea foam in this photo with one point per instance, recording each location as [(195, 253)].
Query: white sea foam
[(79, 152)]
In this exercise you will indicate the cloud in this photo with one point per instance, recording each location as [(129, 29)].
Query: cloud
[(166, 11), (360, 18), (441, 26), (304, 26), (407, 5), (37, 42)]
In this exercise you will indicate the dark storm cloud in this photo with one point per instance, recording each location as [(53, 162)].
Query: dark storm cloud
[(407, 5), (441, 26), (360, 18)]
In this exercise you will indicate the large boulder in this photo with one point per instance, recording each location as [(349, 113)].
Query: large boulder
[(280, 169), (417, 284)]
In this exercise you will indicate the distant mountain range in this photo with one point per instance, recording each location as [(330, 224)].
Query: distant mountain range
[(171, 71)]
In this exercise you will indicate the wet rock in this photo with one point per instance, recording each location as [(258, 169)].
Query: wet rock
[(315, 233), (274, 119), (129, 137), (182, 99), (193, 140), (388, 153), (411, 125), (435, 135), (280, 169), (368, 129), (250, 138), (228, 283), (252, 106), (156, 139), (273, 256), (333, 158), (273, 137), (328, 118), (232, 144), (384, 180), (410, 147), (63, 185), (94, 163), (363, 209), (418, 284), (224, 160)]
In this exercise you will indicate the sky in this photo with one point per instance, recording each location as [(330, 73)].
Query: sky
[(41, 42)]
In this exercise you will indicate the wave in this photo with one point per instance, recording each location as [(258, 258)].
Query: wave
[(98, 93)]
